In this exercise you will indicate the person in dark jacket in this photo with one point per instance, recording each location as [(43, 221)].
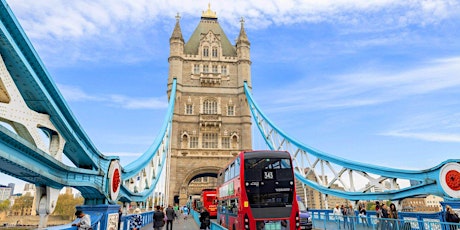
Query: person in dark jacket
[(205, 219), (158, 219), (170, 216), (451, 217)]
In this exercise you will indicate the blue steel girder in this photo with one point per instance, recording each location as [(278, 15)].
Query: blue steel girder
[(22, 160), (95, 175), (354, 180), (40, 93)]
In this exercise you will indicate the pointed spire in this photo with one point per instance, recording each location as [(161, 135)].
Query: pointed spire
[(177, 33), (242, 37)]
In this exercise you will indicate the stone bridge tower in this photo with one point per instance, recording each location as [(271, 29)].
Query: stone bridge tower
[(211, 121)]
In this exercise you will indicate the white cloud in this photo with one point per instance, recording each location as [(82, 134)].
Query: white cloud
[(64, 19), (435, 137), (370, 88), (71, 93)]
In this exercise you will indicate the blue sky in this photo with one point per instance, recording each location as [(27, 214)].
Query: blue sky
[(370, 81)]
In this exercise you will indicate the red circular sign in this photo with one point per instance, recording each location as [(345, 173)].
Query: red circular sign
[(453, 180), (115, 180)]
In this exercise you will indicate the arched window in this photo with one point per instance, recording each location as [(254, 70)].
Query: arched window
[(214, 52), (205, 51), (210, 107)]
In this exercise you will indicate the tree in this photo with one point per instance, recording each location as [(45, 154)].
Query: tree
[(22, 204), (66, 205), (4, 205)]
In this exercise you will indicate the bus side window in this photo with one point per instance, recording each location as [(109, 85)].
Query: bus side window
[(237, 167), (227, 175), (232, 170)]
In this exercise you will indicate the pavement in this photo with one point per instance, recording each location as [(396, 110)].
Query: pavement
[(178, 224)]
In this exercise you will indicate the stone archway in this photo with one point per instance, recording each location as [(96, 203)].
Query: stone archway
[(210, 171)]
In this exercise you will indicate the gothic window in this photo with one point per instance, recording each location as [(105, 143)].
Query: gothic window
[(184, 141), (206, 68), (225, 142), (214, 52), (189, 109), (193, 142), (234, 141), (210, 107), (224, 70), (214, 69), (196, 69), (230, 110), (205, 51), (209, 140)]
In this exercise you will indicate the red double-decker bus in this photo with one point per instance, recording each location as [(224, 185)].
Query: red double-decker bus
[(256, 191), (209, 201)]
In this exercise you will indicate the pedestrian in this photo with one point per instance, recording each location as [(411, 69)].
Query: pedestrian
[(385, 216), (337, 214), (204, 219), (451, 217), (363, 215), (136, 220), (185, 212), (176, 210), (85, 221), (158, 219), (170, 216), (120, 213), (343, 209), (378, 214), (351, 217), (393, 214)]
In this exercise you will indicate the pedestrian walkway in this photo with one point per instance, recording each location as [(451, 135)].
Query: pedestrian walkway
[(179, 224)]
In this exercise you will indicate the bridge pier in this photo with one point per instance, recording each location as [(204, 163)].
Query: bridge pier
[(45, 203)]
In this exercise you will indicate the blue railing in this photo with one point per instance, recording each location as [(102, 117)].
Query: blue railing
[(147, 218), (325, 219)]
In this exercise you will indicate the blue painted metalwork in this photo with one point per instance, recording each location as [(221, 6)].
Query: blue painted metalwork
[(307, 158), (324, 219), (24, 161)]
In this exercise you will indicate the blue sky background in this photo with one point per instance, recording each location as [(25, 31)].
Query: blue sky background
[(370, 81)]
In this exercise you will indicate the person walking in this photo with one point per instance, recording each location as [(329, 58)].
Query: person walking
[(363, 215), (337, 214), (85, 221), (170, 216), (451, 217), (393, 214), (385, 216), (204, 219), (345, 216), (351, 217), (120, 213), (158, 219), (136, 221), (185, 212)]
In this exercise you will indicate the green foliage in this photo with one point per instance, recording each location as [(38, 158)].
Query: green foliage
[(66, 205), (4, 205), (21, 204)]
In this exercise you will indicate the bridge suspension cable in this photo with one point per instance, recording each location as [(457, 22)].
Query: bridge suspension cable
[(141, 177), (353, 180)]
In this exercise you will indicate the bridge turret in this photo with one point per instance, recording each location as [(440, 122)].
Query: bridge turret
[(176, 51), (244, 57)]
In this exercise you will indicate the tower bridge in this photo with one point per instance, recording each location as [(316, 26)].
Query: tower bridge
[(208, 122)]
